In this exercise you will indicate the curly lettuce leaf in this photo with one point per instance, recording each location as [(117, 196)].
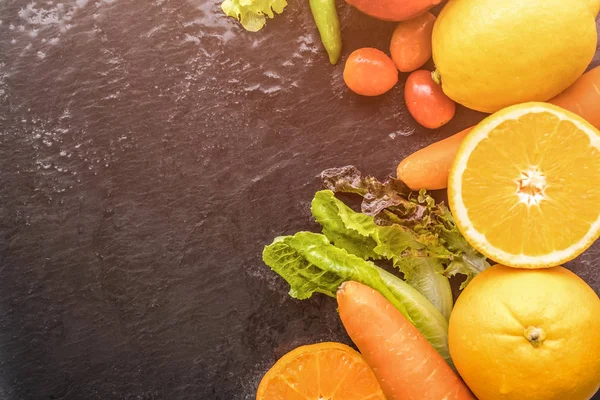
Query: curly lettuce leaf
[(377, 196), (252, 13), (358, 234), (392, 203), (343, 226), (311, 264), (464, 259)]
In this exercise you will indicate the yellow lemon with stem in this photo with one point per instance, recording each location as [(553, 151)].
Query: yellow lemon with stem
[(492, 54), (530, 334)]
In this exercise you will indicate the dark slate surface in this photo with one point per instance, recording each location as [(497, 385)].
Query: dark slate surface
[(148, 150)]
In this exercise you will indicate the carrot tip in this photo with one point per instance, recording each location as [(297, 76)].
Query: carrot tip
[(342, 287)]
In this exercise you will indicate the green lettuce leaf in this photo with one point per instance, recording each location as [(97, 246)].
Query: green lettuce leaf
[(344, 227), (465, 260), (252, 13), (311, 264), (426, 274), (358, 234), (426, 318), (392, 203)]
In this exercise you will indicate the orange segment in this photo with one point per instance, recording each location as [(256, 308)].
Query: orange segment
[(324, 371), (525, 186)]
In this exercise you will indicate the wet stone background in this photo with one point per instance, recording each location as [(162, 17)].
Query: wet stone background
[(149, 149)]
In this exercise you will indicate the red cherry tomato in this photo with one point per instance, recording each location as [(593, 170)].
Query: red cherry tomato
[(426, 100), (370, 72)]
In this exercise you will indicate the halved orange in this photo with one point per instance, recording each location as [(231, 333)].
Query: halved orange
[(525, 186), (323, 371)]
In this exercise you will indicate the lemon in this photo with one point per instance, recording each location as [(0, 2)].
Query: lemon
[(518, 334), (524, 187), (492, 54)]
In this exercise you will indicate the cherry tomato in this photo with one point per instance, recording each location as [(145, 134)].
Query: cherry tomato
[(411, 42), (426, 101), (370, 72)]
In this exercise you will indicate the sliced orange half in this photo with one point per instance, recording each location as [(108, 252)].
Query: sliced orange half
[(324, 371), (525, 186)]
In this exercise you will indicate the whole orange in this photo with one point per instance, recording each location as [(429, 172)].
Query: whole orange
[(530, 334)]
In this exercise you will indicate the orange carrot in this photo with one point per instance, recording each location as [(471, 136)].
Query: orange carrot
[(583, 97), (405, 364), (428, 168)]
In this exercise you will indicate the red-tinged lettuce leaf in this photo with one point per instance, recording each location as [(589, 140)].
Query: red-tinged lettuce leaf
[(392, 203), (415, 255), (377, 196)]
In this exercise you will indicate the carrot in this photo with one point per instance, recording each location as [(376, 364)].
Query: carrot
[(403, 361), (428, 168), (583, 97)]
